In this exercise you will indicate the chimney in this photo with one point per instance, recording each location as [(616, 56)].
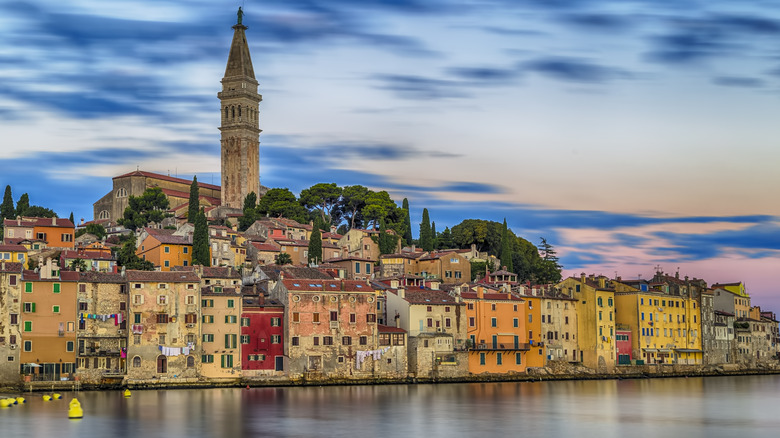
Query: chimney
[(582, 277), (401, 293), (602, 282), (480, 292), (343, 285)]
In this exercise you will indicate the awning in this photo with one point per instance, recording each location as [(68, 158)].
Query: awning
[(34, 365), (687, 350)]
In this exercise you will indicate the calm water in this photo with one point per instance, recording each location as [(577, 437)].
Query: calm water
[(693, 407)]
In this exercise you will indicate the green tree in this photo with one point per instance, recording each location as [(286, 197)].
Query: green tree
[(486, 235), (22, 205), (507, 248), (70, 218), (38, 211), (548, 270), (434, 235), (95, 229), (282, 203), (479, 268), (315, 247), (283, 259), (525, 258), (7, 207), (194, 204), (127, 258), (200, 241), (408, 222), (78, 265), (151, 206), (378, 207), (445, 239), (353, 199), (249, 212), (387, 242), (426, 239), (323, 199)]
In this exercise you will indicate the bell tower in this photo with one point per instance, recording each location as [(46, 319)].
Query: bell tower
[(240, 137)]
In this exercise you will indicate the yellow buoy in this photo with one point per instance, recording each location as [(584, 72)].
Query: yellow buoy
[(56, 396), (46, 397), (74, 410), (4, 403), (20, 400), (127, 393)]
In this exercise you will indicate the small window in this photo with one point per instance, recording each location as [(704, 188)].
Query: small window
[(56, 288), (55, 309)]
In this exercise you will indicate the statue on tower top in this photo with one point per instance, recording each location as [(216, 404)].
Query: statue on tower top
[(240, 15)]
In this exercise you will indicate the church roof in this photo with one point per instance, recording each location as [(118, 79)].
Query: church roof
[(239, 62)]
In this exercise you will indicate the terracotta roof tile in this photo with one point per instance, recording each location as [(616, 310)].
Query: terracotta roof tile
[(311, 285), (167, 178), (162, 277)]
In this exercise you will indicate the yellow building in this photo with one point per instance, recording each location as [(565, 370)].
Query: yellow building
[(595, 320), (536, 356), (221, 331), (164, 248), (496, 330), (13, 253), (665, 329), (741, 299)]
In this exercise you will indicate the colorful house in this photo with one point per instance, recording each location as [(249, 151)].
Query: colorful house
[(164, 248), (13, 254), (262, 336), (55, 232), (10, 327), (48, 321), (221, 332), (496, 331)]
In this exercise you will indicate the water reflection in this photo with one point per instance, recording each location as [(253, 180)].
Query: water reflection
[(695, 407)]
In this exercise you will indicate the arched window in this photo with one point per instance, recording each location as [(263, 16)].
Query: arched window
[(239, 111), (137, 362), (103, 214), (121, 193), (233, 111), (226, 112), (190, 361), (162, 364)]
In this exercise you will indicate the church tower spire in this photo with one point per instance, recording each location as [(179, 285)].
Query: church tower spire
[(240, 138)]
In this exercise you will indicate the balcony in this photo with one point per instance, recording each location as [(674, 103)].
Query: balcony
[(98, 352), (502, 347)]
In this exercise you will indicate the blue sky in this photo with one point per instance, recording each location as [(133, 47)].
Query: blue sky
[(630, 134)]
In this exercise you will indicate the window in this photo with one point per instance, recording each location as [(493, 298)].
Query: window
[(69, 346), (244, 322), (499, 359), (162, 299), (447, 322), (493, 322), (493, 307), (471, 321), (230, 341), (231, 319), (208, 337), (295, 341), (55, 309), (364, 340), (28, 326), (276, 322), (530, 318), (371, 317), (327, 340), (185, 250), (244, 339), (162, 339), (207, 358), (162, 318), (515, 323), (352, 318), (226, 361), (14, 319), (28, 287), (518, 359), (136, 339), (315, 317), (276, 339), (334, 316), (599, 302), (430, 322), (482, 358), (207, 303), (207, 319), (167, 263), (56, 288), (230, 304), (471, 306), (166, 249)]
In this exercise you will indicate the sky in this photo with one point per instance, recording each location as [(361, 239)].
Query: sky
[(631, 134)]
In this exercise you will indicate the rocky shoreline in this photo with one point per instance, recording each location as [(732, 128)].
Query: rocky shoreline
[(551, 373)]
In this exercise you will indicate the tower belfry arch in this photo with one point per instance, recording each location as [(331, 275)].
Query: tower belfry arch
[(240, 120)]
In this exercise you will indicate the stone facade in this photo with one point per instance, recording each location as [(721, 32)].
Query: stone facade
[(10, 328), (102, 327), (239, 102), (165, 309), (432, 356)]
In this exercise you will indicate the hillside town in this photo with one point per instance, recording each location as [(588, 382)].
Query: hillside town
[(176, 282), (358, 315)]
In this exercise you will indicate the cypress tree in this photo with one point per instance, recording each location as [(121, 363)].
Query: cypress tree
[(434, 236), (408, 221), (192, 210), (70, 218), (315, 246), (22, 205), (506, 248), (387, 241), (200, 241), (249, 213), (426, 240), (7, 207)]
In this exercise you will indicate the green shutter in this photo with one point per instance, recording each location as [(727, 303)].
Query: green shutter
[(56, 288), (222, 361), (28, 326), (33, 307), (28, 287)]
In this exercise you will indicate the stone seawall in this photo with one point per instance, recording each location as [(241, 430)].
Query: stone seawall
[(552, 373)]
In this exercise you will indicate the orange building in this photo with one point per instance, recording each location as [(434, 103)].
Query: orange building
[(48, 321), (164, 248), (55, 232), (496, 331)]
